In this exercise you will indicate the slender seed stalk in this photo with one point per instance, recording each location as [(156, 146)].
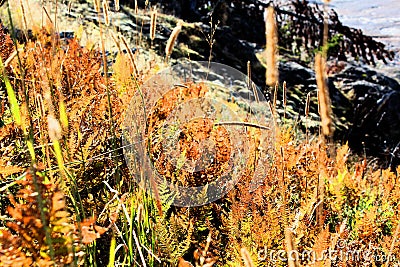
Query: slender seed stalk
[(171, 40), (271, 32)]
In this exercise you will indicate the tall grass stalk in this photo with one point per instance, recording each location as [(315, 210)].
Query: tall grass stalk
[(290, 248), (131, 57), (248, 75), (55, 134), (306, 113), (106, 13), (96, 4), (117, 6), (171, 40), (324, 102), (248, 262), (24, 22), (284, 99), (112, 129), (153, 24), (133, 231), (271, 32)]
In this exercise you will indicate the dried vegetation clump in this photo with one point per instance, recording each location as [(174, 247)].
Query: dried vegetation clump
[(64, 108), (197, 140)]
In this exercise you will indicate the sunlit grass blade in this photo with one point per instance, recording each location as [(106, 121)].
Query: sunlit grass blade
[(58, 154), (112, 252), (63, 115), (15, 110)]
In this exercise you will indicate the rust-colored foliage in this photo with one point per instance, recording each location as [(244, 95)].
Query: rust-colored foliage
[(330, 209), (196, 141), (56, 73), (6, 49), (41, 229), (6, 44), (354, 216)]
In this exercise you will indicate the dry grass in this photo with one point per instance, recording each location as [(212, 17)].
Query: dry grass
[(171, 40), (271, 32), (248, 262), (324, 102), (153, 24), (67, 197)]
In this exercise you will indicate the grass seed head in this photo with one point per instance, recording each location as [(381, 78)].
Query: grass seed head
[(105, 12), (55, 131), (153, 24), (271, 32), (116, 4), (172, 39), (324, 102), (96, 5)]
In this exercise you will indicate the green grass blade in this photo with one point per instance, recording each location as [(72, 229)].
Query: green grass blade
[(112, 252), (11, 96)]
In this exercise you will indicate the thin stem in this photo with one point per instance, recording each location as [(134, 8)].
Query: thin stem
[(239, 123)]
